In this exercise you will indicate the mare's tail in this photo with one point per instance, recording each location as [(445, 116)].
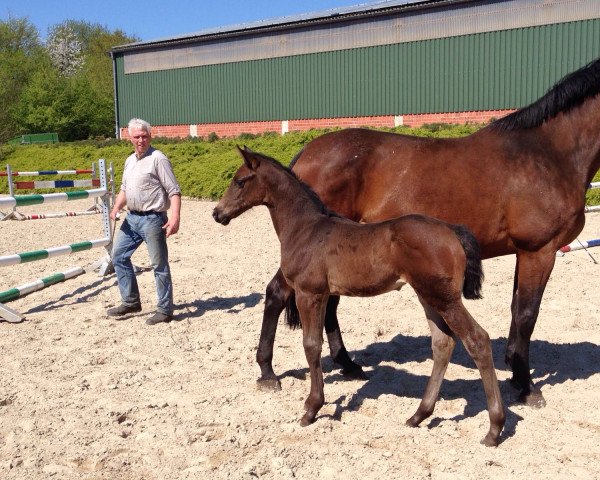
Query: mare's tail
[(474, 270), (292, 315)]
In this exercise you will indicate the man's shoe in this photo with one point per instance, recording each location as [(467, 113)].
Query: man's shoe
[(159, 317), (123, 310)]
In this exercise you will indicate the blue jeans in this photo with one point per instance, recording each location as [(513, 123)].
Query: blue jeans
[(135, 230)]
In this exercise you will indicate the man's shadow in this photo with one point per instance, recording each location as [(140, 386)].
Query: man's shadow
[(197, 308)]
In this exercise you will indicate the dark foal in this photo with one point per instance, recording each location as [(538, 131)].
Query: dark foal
[(323, 254), (518, 184)]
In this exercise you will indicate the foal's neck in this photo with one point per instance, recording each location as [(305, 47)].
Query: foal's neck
[(292, 205)]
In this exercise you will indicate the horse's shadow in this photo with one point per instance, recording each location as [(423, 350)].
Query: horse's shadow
[(554, 364)]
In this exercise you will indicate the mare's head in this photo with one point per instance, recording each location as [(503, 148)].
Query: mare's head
[(246, 190)]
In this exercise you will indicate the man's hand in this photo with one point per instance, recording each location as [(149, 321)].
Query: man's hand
[(171, 227)]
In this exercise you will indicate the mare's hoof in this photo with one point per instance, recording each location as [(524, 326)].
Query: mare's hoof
[(533, 399), (268, 384), (354, 373)]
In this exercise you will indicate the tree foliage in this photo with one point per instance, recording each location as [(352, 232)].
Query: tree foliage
[(63, 85)]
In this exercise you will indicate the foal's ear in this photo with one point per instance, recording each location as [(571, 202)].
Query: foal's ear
[(250, 158)]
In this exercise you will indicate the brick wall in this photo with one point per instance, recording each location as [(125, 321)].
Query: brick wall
[(455, 117), (235, 129)]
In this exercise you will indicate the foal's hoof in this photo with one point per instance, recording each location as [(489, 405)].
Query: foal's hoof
[(268, 384), (307, 420), (414, 421), (489, 441), (355, 373)]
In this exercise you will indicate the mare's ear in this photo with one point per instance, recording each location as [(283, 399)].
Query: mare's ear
[(250, 158)]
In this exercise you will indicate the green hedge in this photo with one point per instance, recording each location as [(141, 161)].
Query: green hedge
[(203, 167)]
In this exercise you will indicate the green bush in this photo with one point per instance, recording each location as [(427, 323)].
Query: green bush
[(204, 167)]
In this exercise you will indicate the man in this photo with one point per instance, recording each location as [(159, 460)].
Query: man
[(148, 188)]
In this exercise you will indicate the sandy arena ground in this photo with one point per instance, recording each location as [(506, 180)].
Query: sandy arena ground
[(83, 396)]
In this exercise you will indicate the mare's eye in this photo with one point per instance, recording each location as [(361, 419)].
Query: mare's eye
[(239, 182)]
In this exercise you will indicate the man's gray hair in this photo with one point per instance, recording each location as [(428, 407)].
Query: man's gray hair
[(139, 123)]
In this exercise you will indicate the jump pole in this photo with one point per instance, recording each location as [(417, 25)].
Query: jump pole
[(104, 264), (578, 245), (39, 284), (48, 184)]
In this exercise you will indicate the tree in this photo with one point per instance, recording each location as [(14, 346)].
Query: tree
[(65, 49), (20, 53), (71, 90)]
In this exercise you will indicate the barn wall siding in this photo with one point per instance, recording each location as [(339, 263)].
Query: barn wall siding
[(491, 71)]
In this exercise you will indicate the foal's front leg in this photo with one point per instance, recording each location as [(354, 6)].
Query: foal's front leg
[(312, 314)]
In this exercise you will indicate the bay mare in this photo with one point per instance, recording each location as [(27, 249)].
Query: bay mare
[(518, 184), (323, 254)]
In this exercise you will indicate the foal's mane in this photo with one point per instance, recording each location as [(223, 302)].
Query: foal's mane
[(310, 192), (567, 94)]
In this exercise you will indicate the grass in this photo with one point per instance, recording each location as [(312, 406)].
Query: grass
[(203, 167)]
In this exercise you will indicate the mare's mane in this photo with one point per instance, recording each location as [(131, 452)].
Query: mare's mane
[(310, 192), (567, 94)]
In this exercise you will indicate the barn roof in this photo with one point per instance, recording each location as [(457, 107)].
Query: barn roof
[(332, 15)]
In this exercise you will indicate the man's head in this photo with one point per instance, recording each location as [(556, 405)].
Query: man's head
[(140, 134)]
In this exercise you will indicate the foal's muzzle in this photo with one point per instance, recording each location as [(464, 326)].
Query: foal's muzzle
[(219, 218)]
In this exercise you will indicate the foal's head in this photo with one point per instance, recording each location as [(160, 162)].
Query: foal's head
[(246, 190)]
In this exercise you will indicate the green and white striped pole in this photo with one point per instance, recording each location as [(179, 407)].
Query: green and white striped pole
[(37, 199), (34, 255), (39, 284)]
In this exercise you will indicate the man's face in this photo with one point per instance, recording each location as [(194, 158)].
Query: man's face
[(140, 140)]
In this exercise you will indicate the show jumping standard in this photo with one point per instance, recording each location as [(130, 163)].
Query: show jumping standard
[(323, 254), (518, 184)]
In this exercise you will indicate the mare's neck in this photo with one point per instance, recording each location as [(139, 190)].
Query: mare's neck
[(576, 136)]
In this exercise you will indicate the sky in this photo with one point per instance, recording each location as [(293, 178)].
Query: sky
[(154, 19)]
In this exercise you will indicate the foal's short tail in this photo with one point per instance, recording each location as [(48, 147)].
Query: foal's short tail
[(292, 315), (474, 270)]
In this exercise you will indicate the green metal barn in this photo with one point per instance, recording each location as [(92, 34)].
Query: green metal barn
[(390, 63)]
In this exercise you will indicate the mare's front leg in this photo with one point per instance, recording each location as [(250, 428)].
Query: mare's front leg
[(442, 344), (277, 294), (531, 276), (312, 313), (338, 351)]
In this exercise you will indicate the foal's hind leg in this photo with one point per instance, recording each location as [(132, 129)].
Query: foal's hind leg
[(442, 344), (478, 345), (338, 351), (312, 313), (276, 297)]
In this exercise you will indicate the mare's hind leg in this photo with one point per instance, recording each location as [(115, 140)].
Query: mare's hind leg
[(338, 351), (276, 297), (477, 343), (531, 276), (442, 344)]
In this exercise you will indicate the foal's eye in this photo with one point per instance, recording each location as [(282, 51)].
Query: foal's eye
[(239, 182)]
